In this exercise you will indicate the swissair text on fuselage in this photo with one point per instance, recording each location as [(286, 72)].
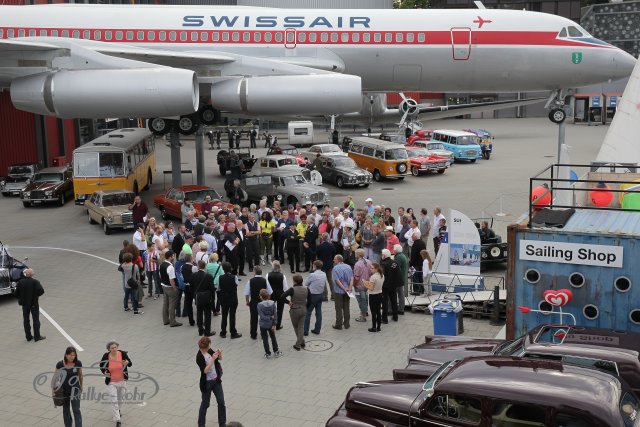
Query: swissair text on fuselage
[(274, 21)]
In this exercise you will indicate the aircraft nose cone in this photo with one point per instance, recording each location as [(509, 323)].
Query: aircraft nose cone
[(623, 64)]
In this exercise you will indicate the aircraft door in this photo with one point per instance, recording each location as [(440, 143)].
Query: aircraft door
[(290, 38), (461, 43)]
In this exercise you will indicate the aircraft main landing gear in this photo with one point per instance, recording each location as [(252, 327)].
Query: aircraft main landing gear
[(185, 125)]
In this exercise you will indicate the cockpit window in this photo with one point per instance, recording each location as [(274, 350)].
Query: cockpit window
[(574, 32), (563, 33)]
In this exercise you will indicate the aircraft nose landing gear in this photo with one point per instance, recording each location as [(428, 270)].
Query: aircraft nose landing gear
[(556, 106)]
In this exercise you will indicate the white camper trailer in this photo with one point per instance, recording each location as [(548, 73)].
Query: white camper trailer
[(301, 133)]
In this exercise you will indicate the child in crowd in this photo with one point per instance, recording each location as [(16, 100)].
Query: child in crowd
[(268, 318)]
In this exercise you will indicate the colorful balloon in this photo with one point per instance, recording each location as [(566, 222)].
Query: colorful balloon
[(600, 195), (540, 197)]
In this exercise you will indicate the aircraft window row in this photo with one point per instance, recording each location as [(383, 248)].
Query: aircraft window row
[(268, 37)]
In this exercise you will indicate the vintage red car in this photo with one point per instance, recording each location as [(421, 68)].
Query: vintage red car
[(494, 392), (423, 162), (171, 201), (420, 135), (606, 349), (289, 150)]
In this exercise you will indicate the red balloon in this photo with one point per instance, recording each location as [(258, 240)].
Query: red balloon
[(601, 196), (538, 197)]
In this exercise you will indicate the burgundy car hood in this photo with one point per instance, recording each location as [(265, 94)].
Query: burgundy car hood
[(437, 350), (386, 400), (42, 185)]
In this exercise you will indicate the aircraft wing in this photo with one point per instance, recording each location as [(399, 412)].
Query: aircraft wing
[(445, 111)]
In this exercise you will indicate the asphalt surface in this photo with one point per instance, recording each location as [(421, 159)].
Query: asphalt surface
[(75, 262)]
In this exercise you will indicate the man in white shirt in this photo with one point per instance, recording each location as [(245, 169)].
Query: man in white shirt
[(437, 216), (399, 220), (413, 231), (140, 241), (169, 289)]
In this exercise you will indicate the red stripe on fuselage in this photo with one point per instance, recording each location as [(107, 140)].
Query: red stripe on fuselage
[(303, 37)]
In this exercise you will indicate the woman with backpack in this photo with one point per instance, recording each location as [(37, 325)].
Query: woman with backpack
[(69, 377), (210, 381)]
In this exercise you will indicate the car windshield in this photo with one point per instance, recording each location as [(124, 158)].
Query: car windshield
[(344, 162), (293, 180), (17, 179), (510, 348), (47, 177), (199, 195), (418, 152), (331, 149), (396, 154), (287, 161), (117, 199), (435, 146), (431, 382), (19, 170), (93, 164), (467, 140), (290, 151)]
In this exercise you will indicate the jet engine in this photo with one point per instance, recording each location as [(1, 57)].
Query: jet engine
[(289, 95), (93, 94)]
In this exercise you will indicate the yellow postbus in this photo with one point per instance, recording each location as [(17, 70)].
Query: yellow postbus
[(121, 159)]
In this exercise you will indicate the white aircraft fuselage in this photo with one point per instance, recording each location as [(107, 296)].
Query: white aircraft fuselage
[(468, 50)]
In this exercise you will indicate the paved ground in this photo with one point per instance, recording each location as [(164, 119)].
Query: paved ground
[(83, 295)]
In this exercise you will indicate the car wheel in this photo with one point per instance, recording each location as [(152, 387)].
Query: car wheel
[(376, 175), (291, 200), (415, 171), (473, 160), (223, 171), (26, 204), (136, 189), (61, 200), (441, 171), (164, 214), (106, 228), (91, 221), (340, 182), (149, 179)]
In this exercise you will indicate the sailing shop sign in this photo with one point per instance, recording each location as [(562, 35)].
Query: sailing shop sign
[(571, 253)]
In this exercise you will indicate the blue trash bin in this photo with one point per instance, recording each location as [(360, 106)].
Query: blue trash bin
[(447, 316)]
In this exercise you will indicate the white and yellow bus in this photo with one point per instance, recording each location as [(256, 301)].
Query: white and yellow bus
[(121, 159)]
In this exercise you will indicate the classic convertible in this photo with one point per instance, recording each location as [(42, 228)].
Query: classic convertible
[(170, 202), (494, 392)]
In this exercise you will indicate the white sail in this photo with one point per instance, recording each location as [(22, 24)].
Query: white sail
[(621, 141)]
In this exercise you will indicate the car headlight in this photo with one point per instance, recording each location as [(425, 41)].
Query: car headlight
[(27, 194), (48, 193), (2, 183), (279, 197), (109, 218)]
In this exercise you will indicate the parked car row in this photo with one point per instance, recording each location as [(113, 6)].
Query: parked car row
[(554, 375)]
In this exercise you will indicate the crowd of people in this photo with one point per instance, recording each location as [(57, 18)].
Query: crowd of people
[(367, 254)]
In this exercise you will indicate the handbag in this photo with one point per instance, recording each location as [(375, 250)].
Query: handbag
[(57, 390), (132, 282), (358, 236)]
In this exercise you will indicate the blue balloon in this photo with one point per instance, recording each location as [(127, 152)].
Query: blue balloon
[(573, 176)]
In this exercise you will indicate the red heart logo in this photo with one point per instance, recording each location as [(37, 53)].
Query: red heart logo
[(558, 298)]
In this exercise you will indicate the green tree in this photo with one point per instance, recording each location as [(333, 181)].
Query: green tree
[(411, 4)]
